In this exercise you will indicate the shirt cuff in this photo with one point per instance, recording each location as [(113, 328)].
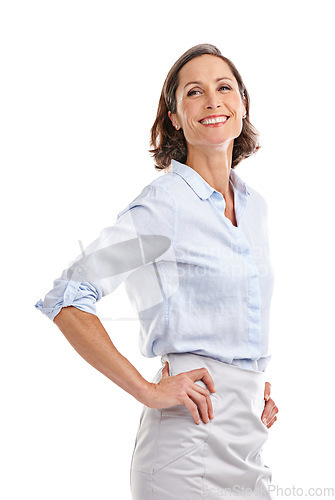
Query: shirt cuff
[(82, 295)]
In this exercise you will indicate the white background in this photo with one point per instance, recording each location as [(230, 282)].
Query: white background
[(79, 91)]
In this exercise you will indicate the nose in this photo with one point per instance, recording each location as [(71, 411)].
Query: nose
[(213, 100)]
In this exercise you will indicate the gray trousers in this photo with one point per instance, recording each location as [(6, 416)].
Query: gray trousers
[(176, 459)]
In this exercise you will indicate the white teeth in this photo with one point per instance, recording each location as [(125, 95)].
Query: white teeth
[(218, 119)]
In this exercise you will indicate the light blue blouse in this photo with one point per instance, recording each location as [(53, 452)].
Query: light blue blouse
[(198, 283)]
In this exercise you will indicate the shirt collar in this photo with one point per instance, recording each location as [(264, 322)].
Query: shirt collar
[(198, 183)]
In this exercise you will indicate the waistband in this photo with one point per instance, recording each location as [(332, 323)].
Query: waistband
[(224, 375)]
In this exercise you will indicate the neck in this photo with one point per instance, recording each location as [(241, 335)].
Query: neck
[(213, 166)]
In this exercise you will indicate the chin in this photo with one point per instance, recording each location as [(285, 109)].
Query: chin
[(220, 138), (217, 141)]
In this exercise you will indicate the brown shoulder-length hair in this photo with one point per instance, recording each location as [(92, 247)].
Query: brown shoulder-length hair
[(168, 143)]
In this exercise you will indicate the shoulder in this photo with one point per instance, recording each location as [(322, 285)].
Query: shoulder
[(159, 195), (258, 201), (153, 211)]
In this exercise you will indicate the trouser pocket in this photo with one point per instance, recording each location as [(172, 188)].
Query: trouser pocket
[(178, 435)]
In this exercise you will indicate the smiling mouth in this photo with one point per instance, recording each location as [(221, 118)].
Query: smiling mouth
[(214, 120)]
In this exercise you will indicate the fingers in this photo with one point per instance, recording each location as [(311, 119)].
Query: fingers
[(201, 395), (272, 412), (267, 391), (195, 397), (165, 371), (270, 409), (272, 422), (204, 404), (269, 412), (192, 407), (198, 398), (202, 374)]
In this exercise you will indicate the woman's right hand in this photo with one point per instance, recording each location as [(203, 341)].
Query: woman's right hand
[(182, 389)]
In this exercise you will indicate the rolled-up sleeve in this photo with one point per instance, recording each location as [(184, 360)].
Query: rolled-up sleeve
[(142, 233), (82, 295)]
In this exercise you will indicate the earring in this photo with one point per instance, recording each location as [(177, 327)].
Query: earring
[(177, 128)]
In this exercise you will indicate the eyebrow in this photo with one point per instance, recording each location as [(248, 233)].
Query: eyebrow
[(200, 83)]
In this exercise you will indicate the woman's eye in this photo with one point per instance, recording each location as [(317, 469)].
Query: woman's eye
[(197, 92), (192, 92)]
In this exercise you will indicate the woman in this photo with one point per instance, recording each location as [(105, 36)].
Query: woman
[(192, 251)]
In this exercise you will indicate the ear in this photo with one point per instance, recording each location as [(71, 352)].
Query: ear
[(172, 117)]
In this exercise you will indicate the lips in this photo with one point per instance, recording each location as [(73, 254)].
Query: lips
[(213, 119)]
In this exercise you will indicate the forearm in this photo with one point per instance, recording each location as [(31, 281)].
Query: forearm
[(88, 337)]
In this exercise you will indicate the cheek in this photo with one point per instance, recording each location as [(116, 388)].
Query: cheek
[(236, 105), (188, 114), (191, 129)]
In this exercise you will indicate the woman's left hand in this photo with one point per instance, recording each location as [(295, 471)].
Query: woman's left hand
[(270, 409)]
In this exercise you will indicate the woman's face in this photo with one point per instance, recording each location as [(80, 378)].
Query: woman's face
[(207, 92)]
